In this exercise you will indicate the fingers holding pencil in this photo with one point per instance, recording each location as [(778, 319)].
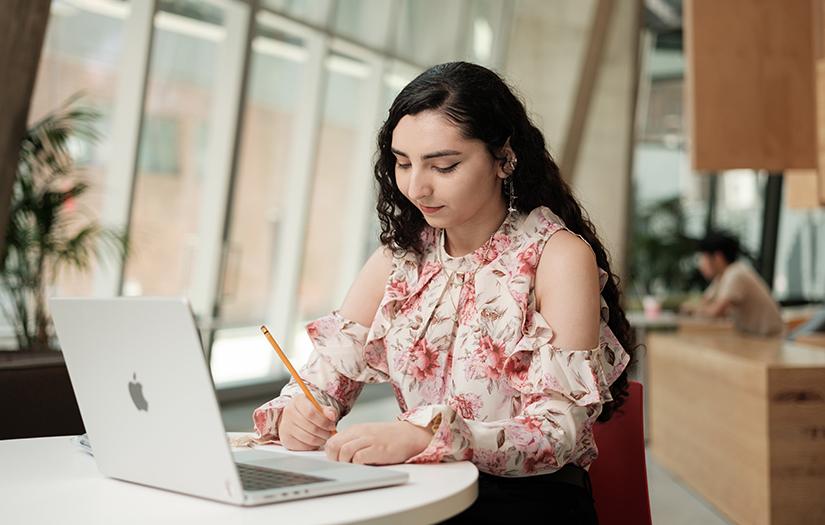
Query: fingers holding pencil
[(301, 426), (304, 422)]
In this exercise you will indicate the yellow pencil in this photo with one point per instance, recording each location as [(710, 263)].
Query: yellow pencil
[(292, 371)]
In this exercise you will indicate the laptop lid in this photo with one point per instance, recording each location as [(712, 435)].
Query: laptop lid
[(142, 385)]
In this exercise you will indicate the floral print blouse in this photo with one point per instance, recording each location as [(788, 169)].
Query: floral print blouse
[(467, 354)]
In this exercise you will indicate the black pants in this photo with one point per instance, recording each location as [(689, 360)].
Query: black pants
[(560, 498)]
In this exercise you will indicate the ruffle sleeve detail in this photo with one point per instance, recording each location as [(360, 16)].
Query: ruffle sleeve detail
[(535, 365), (266, 418), (437, 419), (335, 372), (342, 343), (403, 293)]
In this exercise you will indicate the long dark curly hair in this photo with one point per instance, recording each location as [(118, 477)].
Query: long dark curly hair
[(481, 104)]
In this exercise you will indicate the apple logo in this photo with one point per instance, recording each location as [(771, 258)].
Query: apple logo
[(136, 391)]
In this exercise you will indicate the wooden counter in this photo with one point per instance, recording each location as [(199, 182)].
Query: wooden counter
[(815, 339), (742, 421)]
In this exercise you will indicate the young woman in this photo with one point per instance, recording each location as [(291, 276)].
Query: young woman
[(490, 308)]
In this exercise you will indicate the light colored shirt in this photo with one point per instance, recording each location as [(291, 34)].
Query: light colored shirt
[(468, 354), (752, 309)]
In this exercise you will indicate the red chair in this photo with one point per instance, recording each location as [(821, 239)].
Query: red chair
[(619, 474)]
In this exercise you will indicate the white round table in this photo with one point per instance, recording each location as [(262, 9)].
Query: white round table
[(50, 480)]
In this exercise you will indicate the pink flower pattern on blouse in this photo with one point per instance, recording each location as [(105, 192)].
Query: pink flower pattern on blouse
[(460, 339)]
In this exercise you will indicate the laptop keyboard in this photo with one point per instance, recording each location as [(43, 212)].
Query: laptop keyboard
[(259, 478)]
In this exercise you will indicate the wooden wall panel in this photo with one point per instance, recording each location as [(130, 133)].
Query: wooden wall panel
[(802, 189), (750, 84), (819, 57), (820, 125)]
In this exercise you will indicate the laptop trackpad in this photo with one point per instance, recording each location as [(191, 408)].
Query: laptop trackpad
[(283, 461), (295, 464)]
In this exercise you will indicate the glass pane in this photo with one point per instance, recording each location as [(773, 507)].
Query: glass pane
[(800, 273), (313, 11), (363, 20), (240, 353), (81, 54), (170, 167), (327, 239), (427, 31), (670, 201), (739, 207), (484, 20), (397, 76), (266, 144)]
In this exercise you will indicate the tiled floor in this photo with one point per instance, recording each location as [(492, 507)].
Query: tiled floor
[(674, 504), (671, 502)]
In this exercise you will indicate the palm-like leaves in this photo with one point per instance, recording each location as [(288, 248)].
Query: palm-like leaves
[(44, 236), (662, 257)]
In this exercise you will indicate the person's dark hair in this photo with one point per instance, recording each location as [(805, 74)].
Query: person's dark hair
[(483, 107), (720, 241)]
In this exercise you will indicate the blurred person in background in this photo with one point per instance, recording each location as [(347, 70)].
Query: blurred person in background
[(736, 291)]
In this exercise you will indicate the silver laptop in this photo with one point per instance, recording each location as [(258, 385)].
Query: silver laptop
[(149, 407)]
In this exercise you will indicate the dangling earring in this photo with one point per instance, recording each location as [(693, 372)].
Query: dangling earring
[(511, 190)]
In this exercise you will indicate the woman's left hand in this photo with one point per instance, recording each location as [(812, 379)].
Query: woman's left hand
[(378, 443)]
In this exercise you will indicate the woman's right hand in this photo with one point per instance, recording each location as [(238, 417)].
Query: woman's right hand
[(301, 426)]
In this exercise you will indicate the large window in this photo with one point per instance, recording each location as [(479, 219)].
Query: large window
[(278, 71), (363, 21), (800, 273), (670, 201), (733, 199), (81, 53), (429, 31), (740, 206), (483, 20), (266, 147), (313, 11), (168, 185), (329, 240), (251, 191)]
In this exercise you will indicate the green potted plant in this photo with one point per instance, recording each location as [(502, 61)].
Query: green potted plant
[(662, 263), (46, 233)]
